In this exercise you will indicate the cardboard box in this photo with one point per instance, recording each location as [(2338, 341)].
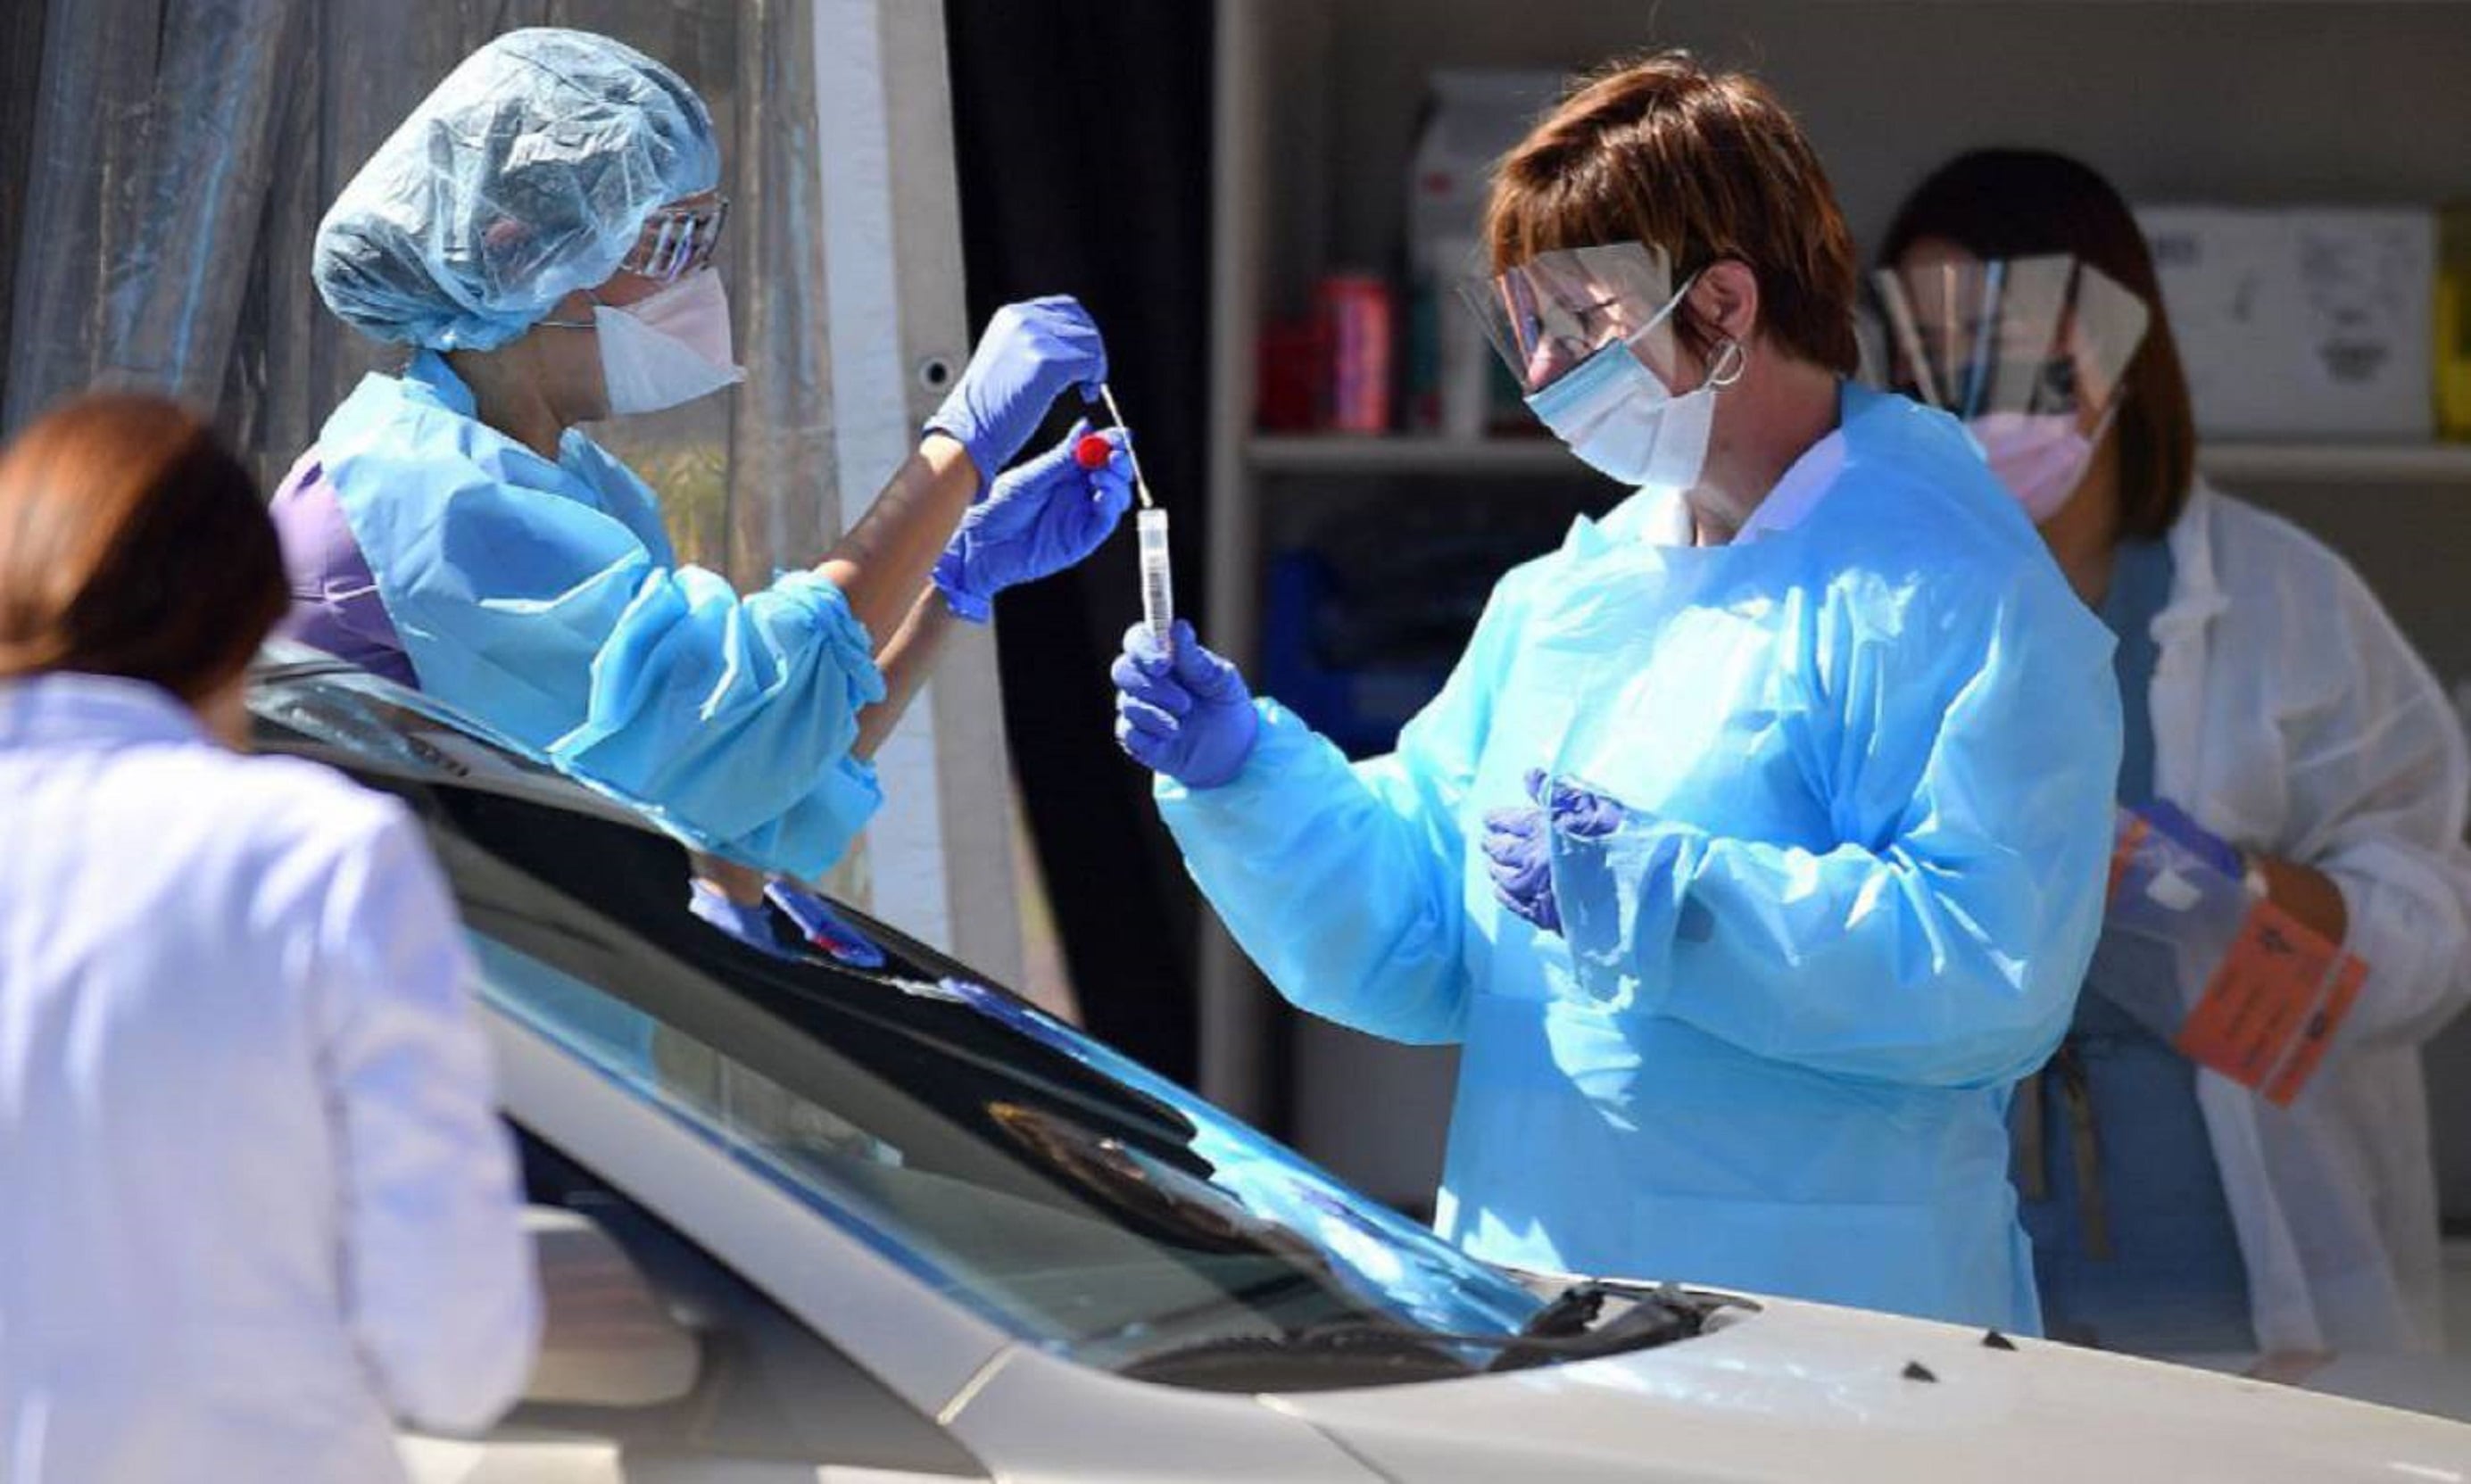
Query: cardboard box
[(2301, 322), (1472, 118)]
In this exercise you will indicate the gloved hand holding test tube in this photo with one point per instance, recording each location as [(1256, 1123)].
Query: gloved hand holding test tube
[(1158, 578)]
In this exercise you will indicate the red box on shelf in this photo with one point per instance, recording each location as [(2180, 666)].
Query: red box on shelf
[(1288, 375), (1358, 318)]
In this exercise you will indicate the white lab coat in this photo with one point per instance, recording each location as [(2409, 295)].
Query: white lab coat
[(254, 1197), (2290, 716)]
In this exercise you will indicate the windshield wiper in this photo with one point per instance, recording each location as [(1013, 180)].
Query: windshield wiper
[(1358, 1342), (1566, 1329), (1569, 1328), (1570, 1312)]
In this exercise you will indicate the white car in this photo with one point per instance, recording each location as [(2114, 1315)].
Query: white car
[(824, 1209)]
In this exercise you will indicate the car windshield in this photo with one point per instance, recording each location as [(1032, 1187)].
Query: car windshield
[(1065, 1192)]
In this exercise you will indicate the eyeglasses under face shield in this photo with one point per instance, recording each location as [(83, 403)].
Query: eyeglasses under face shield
[(1547, 314), (2035, 335), (678, 238)]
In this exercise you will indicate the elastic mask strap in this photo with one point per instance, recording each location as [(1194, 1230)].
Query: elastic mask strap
[(1731, 361), (572, 325), (2102, 426), (1632, 340), (1671, 304)]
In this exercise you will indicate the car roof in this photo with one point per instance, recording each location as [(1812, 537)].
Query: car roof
[(307, 703), (335, 711)]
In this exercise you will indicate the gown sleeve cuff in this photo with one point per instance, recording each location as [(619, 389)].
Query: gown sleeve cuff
[(814, 835), (846, 644), (821, 827), (807, 833), (1281, 740), (1623, 907)]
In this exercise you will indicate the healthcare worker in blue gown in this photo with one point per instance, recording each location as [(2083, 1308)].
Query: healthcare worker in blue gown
[(539, 233), (1756, 844)]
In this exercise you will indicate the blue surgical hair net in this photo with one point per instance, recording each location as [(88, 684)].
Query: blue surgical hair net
[(525, 176)]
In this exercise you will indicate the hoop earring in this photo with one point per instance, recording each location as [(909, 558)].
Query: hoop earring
[(1731, 362)]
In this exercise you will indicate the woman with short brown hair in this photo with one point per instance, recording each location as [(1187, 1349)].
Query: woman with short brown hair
[(1739, 853), (258, 1199)]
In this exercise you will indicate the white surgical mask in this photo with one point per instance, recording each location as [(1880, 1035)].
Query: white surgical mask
[(668, 348), (1623, 422), (2040, 457)]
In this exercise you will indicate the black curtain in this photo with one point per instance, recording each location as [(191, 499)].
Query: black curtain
[(1083, 136), (22, 77)]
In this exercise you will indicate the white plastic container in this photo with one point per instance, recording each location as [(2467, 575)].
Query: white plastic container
[(2301, 322)]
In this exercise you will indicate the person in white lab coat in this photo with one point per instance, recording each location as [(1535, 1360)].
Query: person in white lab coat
[(2268, 696), (257, 1202)]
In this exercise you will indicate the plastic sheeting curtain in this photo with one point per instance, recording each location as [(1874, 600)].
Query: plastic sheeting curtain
[(180, 153), (164, 164)]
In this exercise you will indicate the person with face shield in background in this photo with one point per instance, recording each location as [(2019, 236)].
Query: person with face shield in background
[(1741, 852), (2291, 799), (539, 232)]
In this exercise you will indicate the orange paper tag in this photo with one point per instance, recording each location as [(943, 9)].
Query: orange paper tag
[(2318, 1036), (2260, 999)]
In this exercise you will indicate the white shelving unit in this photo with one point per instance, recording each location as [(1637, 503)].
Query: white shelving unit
[(1340, 455), (2221, 101), (1513, 458), (2338, 463)]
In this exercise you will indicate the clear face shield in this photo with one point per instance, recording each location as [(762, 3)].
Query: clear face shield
[(2032, 353), (678, 238), (1548, 315), (1589, 334), (673, 345), (2031, 336)]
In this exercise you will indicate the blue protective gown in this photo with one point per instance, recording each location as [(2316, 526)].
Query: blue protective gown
[(545, 600), (1868, 763)]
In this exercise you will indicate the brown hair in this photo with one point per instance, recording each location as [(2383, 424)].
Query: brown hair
[(2010, 203), (1704, 166), (133, 544)]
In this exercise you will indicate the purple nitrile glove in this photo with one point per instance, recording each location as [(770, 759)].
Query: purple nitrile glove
[(1574, 808), (823, 927), (1029, 355), (1040, 519), (2207, 846), (1518, 844), (748, 922), (1191, 716), (1519, 854)]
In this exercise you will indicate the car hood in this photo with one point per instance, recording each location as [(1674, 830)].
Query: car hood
[(1800, 1392)]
